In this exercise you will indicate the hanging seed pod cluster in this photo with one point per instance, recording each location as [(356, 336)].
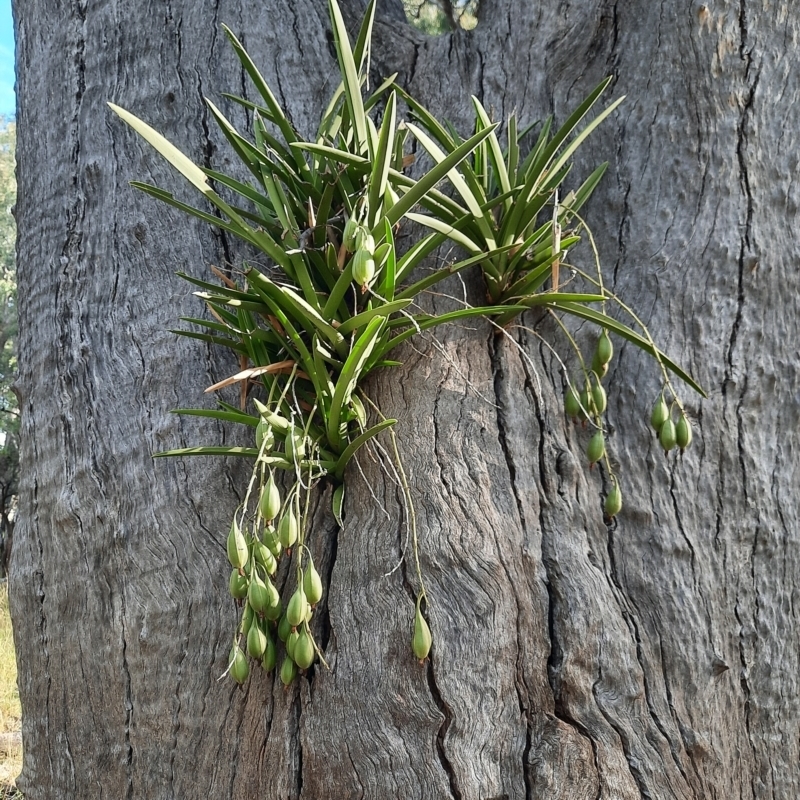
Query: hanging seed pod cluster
[(259, 538), (337, 298), (588, 407)]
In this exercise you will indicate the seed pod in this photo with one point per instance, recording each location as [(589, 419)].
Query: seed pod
[(256, 641), (304, 650), (288, 671), (284, 629), (596, 448), (264, 436), (613, 503), (365, 241), (240, 669), (257, 594), (599, 369), (295, 445), (605, 348), (237, 546), (660, 414), (668, 436), (297, 608), (248, 615), (270, 656), (683, 432), (274, 612), (287, 530), (349, 234), (291, 643), (237, 585), (272, 541), (363, 267), (587, 401), (272, 594), (572, 405), (263, 555), (270, 502), (421, 642), (312, 584), (599, 398)]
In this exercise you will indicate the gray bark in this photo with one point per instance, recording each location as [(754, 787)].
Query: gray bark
[(656, 658)]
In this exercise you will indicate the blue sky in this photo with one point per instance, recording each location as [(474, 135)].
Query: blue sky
[(7, 101)]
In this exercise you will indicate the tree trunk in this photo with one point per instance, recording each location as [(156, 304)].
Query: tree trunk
[(655, 658)]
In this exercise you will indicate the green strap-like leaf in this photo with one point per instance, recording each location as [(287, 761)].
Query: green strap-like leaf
[(215, 413), (247, 452), (358, 442), (382, 161), (181, 162), (350, 76), (604, 321), (468, 187), (349, 376), (446, 229), (384, 309), (428, 181), (276, 113), (495, 152)]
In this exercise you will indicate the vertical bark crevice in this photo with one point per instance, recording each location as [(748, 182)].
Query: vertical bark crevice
[(128, 700), (496, 361), (442, 732)]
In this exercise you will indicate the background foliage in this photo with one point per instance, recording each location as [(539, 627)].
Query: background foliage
[(9, 412)]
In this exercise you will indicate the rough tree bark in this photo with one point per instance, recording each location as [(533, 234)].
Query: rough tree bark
[(655, 659)]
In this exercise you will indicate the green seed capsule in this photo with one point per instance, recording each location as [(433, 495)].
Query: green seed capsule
[(295, 445), (272, 541), (284, 628), (237, 585), (270, 502), (599, 398), (287, 529), (237, 546), (613, 503), (660, 414), (365, 240), (363, 267), (668, 436), (288, 671), (304, 650), (270, 656), (421, 642), (240, 669), (291, 643), (349, 234), (587, 401), (683, 432), (263, 555), (274, 612), (596, 448), (312, 584), (298, 608), (264, 436), (248, 615), (572, 405), (605, 349), (257, 594), (599, 369), (256, 641)]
